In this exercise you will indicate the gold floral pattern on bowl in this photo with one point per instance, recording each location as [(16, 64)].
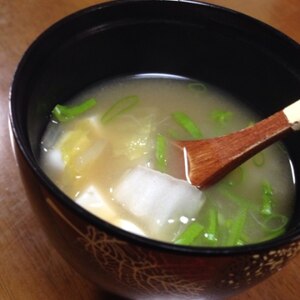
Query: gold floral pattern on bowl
[(148, 271)]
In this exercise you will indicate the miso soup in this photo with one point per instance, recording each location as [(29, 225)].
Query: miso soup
[(110, 149)]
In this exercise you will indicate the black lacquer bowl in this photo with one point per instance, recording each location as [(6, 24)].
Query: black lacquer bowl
[(252, 61)]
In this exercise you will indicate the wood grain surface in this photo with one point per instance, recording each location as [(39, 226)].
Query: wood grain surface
[(30, 268)]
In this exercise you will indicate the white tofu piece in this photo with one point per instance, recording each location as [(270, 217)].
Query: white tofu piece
[(93, 201), (155, 198)]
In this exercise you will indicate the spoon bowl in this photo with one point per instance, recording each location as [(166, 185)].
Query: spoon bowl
[(209, 160)]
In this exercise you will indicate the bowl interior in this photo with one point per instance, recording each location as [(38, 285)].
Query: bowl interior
[(244, 57)]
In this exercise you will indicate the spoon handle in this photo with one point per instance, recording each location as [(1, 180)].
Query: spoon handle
[(267, 131), (292, 113)]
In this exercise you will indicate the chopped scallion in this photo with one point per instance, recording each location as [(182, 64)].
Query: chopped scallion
[(275, 223), (190, 234), (212, 229), (160, 152), (267, 199), (237, 227), (240, 243), (221, 117), (188, 124), (122, 105), (65, 113)]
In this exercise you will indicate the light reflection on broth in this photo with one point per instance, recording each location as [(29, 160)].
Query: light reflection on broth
[(103, 160)]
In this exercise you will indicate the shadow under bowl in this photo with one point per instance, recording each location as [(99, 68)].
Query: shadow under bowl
[(252, 61)]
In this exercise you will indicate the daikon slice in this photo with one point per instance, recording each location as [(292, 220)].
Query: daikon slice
[(156, 199), (93, 201), (129, 226), (54, 162)]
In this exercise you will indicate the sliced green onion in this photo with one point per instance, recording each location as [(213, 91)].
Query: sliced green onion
[(190, 234), (122, 105), (221, 117), (211, 233), (259, 159), (188, 124), (237, 227), (197, 86), (240, 243), (65, 113), (267, 199), (274, 223), (160, 153)]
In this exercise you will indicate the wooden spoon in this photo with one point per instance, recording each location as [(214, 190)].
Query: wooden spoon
[(209, 160)]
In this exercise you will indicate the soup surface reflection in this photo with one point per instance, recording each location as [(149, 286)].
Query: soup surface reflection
[(110, 149)]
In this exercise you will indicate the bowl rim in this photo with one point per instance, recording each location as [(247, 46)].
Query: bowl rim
[(88, 217)]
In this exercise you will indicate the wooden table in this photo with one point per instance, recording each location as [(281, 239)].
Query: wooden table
[(29, 266)]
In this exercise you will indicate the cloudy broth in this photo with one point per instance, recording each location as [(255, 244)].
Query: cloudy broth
[(130, 126)]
